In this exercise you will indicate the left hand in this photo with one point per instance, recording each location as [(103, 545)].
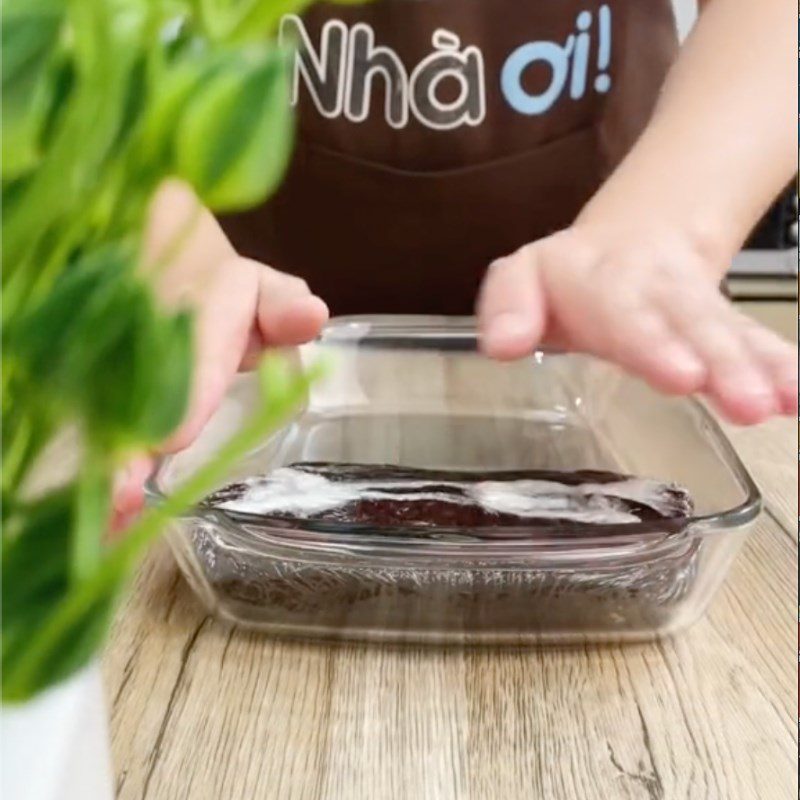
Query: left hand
[(239, 306), (646, 300)]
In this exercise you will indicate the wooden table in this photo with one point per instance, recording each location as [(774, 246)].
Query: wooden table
[(204, 712)]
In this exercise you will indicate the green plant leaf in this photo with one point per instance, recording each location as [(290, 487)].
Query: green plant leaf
[(165, 353), (233, 142), (116, 378), (177, 83), (72, 651), (255, 18), (248, 20), (65, 639), (35, 566), (102, 101), (29, 35), (25, 106), (115, 381), (101, 46), (30, 29), (41, 338)]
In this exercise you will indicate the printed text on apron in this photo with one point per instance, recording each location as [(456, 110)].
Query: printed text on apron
[(437, 135)]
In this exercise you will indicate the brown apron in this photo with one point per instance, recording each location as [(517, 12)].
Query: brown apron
[(437, 135)]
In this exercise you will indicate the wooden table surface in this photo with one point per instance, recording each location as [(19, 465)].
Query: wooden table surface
[(206, 712)]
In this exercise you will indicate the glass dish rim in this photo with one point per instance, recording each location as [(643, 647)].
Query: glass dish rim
[(453, 334)]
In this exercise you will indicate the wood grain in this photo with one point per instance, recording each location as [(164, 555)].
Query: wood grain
[(203, 711)]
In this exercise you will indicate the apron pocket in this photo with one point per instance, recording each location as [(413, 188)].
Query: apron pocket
[(373, 239)]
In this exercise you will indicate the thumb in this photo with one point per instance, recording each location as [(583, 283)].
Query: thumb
[(511, 306)]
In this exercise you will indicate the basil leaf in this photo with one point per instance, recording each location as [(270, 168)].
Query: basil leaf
[(177, 84), (41, 338), (246, 19), (30, 29), (29, 35), (166, 402), (102, 101), (34, 569), (132, 383), (233, 142)]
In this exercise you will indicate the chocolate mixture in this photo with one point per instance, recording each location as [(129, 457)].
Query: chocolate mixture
[(517, 594), (383, 496)]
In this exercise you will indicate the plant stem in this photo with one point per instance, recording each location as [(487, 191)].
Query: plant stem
[(120, 559), (93, 504)]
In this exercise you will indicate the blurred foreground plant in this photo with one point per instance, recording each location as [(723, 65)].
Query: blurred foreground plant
[(103, 100)]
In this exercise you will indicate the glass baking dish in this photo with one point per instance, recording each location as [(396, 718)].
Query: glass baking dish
[(414, 391)]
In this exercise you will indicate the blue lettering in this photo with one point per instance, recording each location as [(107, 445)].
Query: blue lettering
[(555, 56)]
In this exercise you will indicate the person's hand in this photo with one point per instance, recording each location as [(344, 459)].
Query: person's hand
[(647, 301), (240, 307)]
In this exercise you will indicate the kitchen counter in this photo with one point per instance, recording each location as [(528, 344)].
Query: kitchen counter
[(770, 301), (203, 711)]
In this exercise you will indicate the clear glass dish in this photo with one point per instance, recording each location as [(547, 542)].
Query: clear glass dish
[(415, 392)]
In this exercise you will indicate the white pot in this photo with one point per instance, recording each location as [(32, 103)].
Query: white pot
[(56, 747)]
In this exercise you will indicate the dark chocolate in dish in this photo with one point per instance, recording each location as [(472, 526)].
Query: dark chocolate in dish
[(634, 592), (382, 496)]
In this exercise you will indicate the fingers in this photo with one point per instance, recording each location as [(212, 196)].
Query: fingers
[(242, 306), (608, 310), (511, 311), (738, 383), (245, 306), (669, 326), (223, 319), (193, 265), (288, 313), (645, 345), (778, 360), (695, 341), (548, 292), (184, 246)]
